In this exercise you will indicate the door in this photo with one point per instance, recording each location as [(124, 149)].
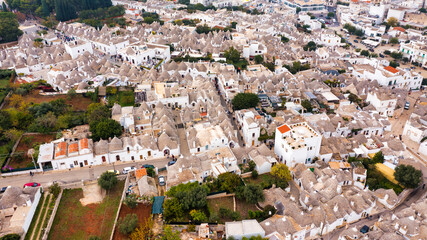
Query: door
[(253, 142), (149, 153), (103, 159), (85, 162), (81, 164)]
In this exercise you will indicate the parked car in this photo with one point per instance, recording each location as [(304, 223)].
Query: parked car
[(381, 56), (147, 166), (356, 41), (364, 229), (171, 163), (370, 49), (32, 184), (126, 170), (407, 105), (117, 172), (3, 189), (162, 181)]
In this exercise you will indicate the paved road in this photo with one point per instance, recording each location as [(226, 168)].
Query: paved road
[(74, 175)]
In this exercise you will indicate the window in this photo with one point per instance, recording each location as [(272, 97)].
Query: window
[(117, 158), (76, 163), (132, 158)]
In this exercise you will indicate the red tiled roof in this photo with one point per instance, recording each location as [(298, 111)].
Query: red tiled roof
[(61, 149), (284, 128), (203, 114), (140, 173), (391, 69), (399, 29), (84, 143), (74, 147)]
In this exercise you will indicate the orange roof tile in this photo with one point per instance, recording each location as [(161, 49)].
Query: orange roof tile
[(61, 149), (391, 69), (203, 114), (258, 117), (74, 147), (84, 143), (284, 128), (140, 173), (399, 29)]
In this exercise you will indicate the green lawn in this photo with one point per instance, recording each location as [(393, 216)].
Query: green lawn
[(74, 221), (4, 83)]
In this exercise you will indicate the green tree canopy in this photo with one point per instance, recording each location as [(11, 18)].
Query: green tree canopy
[(394, 40), (105, 129), (408, 176), (331, 14), (9, 27), (107, 180), (172, 210), (310, 46), (306, 104), (97, 112), (251, 193), (127, 224), (259, 59), (232, 55), (245, 101), (281, 171), (194, 199), (198, 215)]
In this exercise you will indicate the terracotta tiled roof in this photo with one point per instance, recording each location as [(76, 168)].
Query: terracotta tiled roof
[(61, 149), (74, 147), (84, 143), (391, 69), (140, 173), (399, 29), (284, 128)]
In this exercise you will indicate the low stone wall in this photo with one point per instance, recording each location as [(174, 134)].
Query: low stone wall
[(120, 206)]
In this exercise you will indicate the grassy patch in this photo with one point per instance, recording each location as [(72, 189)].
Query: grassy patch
[(45, 207), (376, 180), (265, 180), (243, 207), (35, 217), (79, 222)]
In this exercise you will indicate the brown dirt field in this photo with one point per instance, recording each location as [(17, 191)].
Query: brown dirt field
[(27, 142), (142, 211), (242, 207), (78, 102)]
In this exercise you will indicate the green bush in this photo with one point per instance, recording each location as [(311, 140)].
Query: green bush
[(130, 201), (55, 189), (127, 224)]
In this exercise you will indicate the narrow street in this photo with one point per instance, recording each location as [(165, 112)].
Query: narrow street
[(74, 175)]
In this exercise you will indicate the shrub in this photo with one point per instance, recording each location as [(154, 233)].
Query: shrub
[(127, 224), (55, 189), (254, 174), (130, 201)]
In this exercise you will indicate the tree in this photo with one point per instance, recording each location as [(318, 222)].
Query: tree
[(97, 112), (94, 238), (232, 55), (394, 40), (392, 21), (298, 10), (245, 101), (331, 14), (281, 171), (55, 190), (364, 53), (393, 64), (71, 94), (194, 199), (228, 182), (423, 10), (198, 215), (251, 165), (148, 20), (396, 55), (233, 25), (306, 104), (173, 210), (9, 27), (107, 180), (5, 120), (354, 98), (105, 129), (254, 174), (378, 157), (359, 32), (259, 59), (284, 39), (408, 176), (12, 236), (64, 10), (144, 231), (44, 9), (130, 201), (168, 234), (251, 193), (44, 124), (310, 46), (4, 7), (128, 224)]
